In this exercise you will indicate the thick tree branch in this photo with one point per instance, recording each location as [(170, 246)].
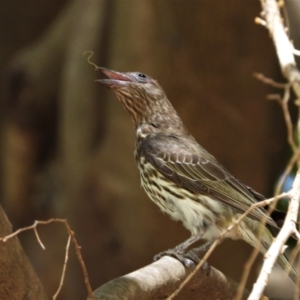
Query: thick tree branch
[(160, 278)]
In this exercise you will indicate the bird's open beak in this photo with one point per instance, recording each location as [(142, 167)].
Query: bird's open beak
[(115, 79)]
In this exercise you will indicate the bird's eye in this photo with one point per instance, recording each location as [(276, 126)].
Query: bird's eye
[(141, 77)]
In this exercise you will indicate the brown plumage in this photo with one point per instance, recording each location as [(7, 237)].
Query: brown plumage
[(180, 176)]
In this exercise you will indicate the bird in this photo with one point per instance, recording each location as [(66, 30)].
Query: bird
[(184, 179)]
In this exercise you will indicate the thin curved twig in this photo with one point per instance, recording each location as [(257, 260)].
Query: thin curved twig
[(71, 237)]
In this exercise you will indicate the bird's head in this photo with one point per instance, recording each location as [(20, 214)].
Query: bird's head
[(141, 95)]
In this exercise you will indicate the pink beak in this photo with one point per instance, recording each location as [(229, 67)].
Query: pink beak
[(114, 80)]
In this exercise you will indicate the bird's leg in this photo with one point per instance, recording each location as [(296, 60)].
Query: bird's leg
[(179, 251), (195, 253)]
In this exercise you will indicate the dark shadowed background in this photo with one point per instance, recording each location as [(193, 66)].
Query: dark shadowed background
[(67, 144)]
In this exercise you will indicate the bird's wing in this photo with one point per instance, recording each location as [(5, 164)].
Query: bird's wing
[(191, 167)]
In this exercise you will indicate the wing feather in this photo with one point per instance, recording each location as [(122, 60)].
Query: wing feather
[(190, 166)]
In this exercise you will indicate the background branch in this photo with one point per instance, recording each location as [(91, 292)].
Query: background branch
[(284, 51), (70, 238)]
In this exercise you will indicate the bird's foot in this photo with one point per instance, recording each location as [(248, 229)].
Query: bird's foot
[(189, 259), (178, 253)]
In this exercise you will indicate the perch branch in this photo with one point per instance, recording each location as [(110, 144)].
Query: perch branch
[(160, 278)]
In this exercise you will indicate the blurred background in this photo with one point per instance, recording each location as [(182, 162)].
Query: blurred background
[(67, 144)]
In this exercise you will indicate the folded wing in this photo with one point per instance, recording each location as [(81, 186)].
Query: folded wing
[(191, 167)]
